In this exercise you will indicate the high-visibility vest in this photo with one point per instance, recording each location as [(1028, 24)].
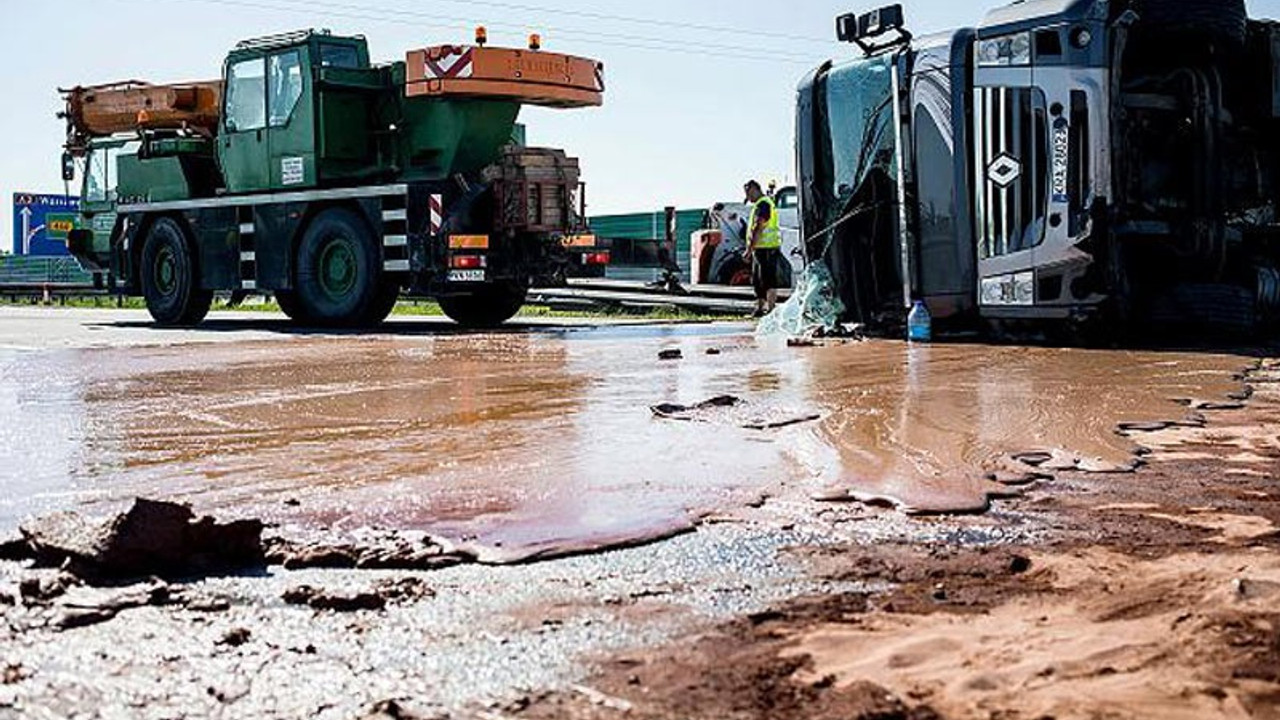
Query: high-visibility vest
[(771, 238)]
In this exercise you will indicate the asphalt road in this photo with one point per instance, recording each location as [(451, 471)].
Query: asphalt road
[(536, 439), (100, 407)]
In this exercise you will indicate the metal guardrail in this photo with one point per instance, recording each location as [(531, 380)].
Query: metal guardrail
[(55, 272), (62, 277), (609, 292)]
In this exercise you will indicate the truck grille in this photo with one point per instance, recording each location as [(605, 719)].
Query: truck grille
[(1011, 146)]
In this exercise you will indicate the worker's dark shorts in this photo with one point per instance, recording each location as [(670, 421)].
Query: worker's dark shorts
[(764, 272)]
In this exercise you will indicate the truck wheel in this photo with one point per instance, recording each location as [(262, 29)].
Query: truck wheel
[(170, 283), (338, 273), (1212, 310), (485, 308), (290, 306), (384, 303)]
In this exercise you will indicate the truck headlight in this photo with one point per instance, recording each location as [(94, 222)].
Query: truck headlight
[(1005, 50)]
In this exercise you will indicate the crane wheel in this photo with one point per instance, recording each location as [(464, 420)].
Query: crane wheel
[(388, 296), (486, 307), (170, 281), (290, 306), (339, 280)]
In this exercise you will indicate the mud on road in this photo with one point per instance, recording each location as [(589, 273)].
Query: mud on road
[(860, 530), (1147, 596), (541, 441)]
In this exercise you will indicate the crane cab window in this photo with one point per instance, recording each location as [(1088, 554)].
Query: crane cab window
[(97, 177), (339, 56), (247, 96), (285, 83), (101, 171)]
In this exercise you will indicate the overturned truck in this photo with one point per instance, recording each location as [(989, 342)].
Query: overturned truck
[(1089, 165), (335, 184)]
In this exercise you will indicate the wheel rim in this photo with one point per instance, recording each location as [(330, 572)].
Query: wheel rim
[(338, 268), (165, 271)]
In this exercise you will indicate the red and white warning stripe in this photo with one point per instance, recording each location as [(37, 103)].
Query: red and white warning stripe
[(450, 63), (437, 214)]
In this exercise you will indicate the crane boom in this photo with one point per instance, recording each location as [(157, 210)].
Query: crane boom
[(132, 106)]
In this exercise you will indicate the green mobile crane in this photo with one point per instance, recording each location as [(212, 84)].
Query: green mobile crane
[(332, 183)]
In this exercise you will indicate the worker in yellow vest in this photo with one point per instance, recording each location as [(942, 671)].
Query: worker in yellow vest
[(764, 247)]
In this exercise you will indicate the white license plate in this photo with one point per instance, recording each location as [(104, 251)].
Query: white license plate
[(1061, 162), (466, 276)]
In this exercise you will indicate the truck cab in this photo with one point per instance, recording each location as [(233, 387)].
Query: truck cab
[(99, 194), (1040, 84), (278, 130), (1070, 162)]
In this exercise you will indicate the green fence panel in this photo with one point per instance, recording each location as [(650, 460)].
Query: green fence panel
[(56, 271)]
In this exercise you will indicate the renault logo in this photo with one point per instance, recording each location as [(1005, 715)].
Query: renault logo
[(1004, 170)]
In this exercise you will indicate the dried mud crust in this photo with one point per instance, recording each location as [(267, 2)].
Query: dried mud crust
[(1077, 633), (1151, 595), (737, 673), (746, 669)]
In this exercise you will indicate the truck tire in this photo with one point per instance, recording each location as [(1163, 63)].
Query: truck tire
[(338, 277), (485, 308), (290, 306), (170, 280), (1225, 20), (384, 303), (1210, 310)]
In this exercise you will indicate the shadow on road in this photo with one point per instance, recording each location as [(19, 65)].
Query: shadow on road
[(428, 326), (443, 327)]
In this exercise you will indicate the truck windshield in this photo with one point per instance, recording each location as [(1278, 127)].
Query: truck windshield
[(854, 115)]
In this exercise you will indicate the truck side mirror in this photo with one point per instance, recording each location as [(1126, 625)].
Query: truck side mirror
[(879, 22), (862, 30), (847, 28), (68, 167)]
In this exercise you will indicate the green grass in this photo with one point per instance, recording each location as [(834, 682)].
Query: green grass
[(79, 302), (424, 308)]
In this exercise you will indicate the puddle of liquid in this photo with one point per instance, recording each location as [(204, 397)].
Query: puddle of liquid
[(42, 433), (540, 443), (521, 443), (927, 428)]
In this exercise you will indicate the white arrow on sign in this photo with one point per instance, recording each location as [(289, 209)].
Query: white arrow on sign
[(28, 234)]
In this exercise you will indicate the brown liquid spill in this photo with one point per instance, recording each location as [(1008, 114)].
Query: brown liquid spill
[(542, 443), (930, 427)]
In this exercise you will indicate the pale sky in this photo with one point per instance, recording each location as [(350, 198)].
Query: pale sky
[(700, 97)]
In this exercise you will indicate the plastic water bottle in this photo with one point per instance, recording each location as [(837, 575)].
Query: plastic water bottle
[(920, 323)]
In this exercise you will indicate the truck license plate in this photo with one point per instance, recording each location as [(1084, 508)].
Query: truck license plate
[(466, 276), (1061, 161)]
